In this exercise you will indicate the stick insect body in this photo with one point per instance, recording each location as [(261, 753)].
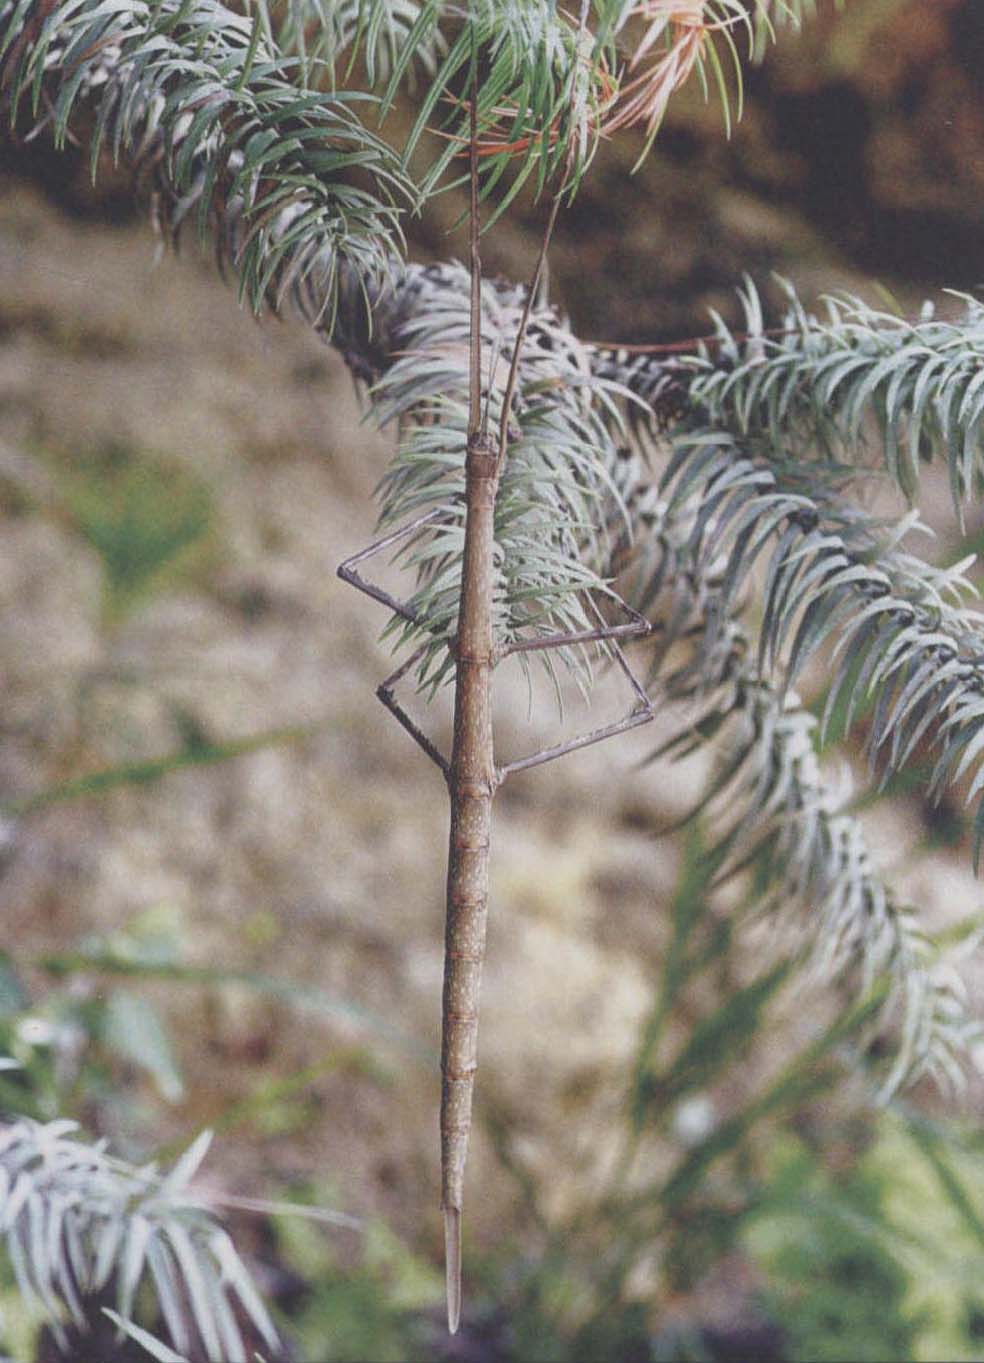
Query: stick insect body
[(471, 773), (472, 778)]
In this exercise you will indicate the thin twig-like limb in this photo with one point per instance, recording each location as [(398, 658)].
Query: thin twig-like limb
[(642, 713), (541, 260), (474, 257), (384, 692), (513, 378), (636, 627), (620, 658), (621, 726), (346, 571)]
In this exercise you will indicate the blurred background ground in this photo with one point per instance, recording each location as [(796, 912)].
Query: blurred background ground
[(177, 486)]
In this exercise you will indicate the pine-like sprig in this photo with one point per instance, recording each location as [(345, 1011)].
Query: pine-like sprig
[(560, 78), (201, 98), (385, 34), (905, 641), (855, 385), (555, 78), (76, 1222), (772, 807)]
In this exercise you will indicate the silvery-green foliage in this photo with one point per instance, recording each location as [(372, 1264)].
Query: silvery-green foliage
[(175, 92), (901, 632), (540, 88), (336, 33), (76, 1223), (774, 804), (771, 803), (202, 97), (854, 384), (555, 78)]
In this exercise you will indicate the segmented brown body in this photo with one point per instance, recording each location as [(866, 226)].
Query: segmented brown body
[(472, 782)]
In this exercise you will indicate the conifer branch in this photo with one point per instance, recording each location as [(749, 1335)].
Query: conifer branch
[(200, 100), (774, 808), (771, 806), (77, 1224), (904, 639), (385, 34), (822, 387)]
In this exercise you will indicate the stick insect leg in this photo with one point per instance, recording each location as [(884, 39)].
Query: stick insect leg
[(621, 726), (636, 627), (642, 712), (346, 571), (384, 691)]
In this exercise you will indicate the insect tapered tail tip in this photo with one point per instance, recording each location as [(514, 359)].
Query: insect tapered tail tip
[(452, 1265)]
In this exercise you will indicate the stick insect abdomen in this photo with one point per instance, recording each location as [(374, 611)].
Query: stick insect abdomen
[(471, 782)]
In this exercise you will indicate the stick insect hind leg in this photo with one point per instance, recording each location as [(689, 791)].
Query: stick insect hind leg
[(641, 713), (384, 691)]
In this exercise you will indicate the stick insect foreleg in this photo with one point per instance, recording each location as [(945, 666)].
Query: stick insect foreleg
[(346, 571), (384, 692)]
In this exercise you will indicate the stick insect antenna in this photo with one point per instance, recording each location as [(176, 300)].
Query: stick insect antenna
[(495, 351), (475, 257), (533, 289)]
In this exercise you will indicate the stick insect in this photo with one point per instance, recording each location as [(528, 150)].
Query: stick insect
[(471, 772)]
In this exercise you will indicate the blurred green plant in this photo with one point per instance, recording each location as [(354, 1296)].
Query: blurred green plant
[(375, 1307), (196, 752), (75, 1046), (835, 1283), (84, 1041), (151, 946), (148, 519)]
